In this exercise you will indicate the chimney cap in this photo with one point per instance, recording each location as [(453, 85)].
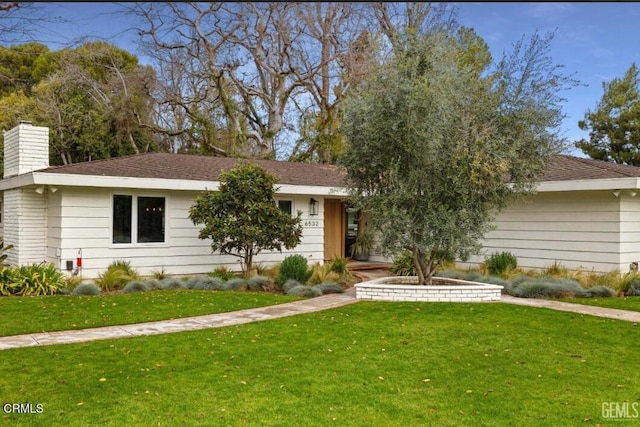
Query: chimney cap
[(25, 122)]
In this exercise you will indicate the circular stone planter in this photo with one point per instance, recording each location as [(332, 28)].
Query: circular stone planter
[(405, 288)]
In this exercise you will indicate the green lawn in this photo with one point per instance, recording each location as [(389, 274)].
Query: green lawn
[(367, 364), (22, 315), (624, 303)]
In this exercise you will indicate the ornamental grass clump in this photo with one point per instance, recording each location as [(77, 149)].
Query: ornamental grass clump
[(135, 286), (118, 274), (290, 284), (501, 263), (260, 284), (452, 274), (304, 291), (171, 283), (236, 284), (329, 288), (223, 273), (86, 289), (207, 283), (599, 291), (547, 287)]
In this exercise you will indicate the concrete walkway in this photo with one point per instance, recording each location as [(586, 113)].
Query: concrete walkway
[(264, 313)]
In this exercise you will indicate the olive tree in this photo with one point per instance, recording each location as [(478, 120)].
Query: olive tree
[(440, 139), (242, 218)]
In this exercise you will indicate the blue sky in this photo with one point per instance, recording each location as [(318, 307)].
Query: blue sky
[(595, 41)]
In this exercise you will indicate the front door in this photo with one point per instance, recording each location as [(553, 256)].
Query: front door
[(334, 229)]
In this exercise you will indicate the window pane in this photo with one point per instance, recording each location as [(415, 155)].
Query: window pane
[(150, 219), (285, 206), (122, 219)]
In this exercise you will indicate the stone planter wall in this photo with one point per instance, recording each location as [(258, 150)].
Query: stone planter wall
[(445, 290)]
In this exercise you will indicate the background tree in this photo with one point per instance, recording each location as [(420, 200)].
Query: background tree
[(435, 134), (242, 217), (614, 127)]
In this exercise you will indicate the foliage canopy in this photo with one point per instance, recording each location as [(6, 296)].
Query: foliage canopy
[(242, 218), (439, 141)]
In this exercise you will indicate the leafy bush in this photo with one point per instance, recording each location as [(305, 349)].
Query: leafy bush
[(329, 288), (223, 273), (260, 283), (118, 274), (499, 263), (135, 286), (236, 284), (289, 284), (86, 289), (35, 279), (169, 283), (4, 249), (294, 267), (304, 291), (403, 265), (206, 283)]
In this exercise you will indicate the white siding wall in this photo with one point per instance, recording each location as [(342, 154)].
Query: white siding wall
[(592, 230), (629, 228), (85, 218), (25, 226), (576, 229)]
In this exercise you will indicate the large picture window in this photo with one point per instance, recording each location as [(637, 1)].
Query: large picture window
[(142, 217)]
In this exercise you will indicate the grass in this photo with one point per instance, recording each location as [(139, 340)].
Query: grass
[(22, 315), (625, 303), (391, 364)]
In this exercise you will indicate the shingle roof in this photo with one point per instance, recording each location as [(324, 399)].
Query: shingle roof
[(203, 168), (569, 168), (200, 168)]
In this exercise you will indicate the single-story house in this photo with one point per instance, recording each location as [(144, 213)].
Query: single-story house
[(86, 215), (83, 216)]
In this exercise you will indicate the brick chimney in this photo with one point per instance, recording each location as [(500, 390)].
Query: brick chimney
[(26, 149)]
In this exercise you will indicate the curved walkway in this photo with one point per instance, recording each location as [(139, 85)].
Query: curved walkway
[(263, 313)]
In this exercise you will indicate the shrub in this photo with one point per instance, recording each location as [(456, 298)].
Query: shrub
[(329, 288), (169, 283), (118, 274), (207, 283), (473, 276), (260, 283), (403, 265), (322, 273), (338, 265), (555, 270), (236, 284), (191, 282), (294, 267), (499, 263), (135, 286), (223, 273), (452, 274), (153, 284), (291, 283), (547, 287), (35, 279), (632, 287), (159, 274), (304, 291), (86, 289), (599, 291)]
